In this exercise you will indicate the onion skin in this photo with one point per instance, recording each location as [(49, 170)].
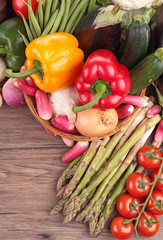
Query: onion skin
[(96, 122)]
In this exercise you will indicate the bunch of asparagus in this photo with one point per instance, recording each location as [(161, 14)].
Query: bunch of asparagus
[(90, 186)]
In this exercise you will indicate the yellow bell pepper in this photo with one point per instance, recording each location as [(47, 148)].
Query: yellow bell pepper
[(53, 61), (59, 59)]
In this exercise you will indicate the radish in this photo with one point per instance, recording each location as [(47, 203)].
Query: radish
[(74, 152), (135, 100), (68, 142), (64, 122), (24, 87), (63, 129), (124, 111), (153, 111), (42, 103), (12, 96)]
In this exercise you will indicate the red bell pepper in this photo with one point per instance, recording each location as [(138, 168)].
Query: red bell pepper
[(103, 82)]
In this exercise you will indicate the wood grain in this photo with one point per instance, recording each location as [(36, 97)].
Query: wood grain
[(30, 164)]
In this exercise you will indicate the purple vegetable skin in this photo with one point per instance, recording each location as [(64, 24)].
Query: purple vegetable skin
[(12, 96), (157, 41)]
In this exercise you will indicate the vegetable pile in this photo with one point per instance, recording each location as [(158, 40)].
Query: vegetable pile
[(84, 65), (90, 186)]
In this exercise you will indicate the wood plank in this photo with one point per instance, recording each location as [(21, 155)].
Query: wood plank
[(30, 165)]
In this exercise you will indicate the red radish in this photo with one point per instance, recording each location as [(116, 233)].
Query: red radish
[(49, 132), (74, 152), (23, 68), (159, 133), (27, 79), (153, 111), (64, 122), (124, 111), (24, 87), (135, 100), (68, 142), (42, 104), (12, 96), (63, 129), (30, 81)]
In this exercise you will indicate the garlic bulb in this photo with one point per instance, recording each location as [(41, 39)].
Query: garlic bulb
[(62, 102)]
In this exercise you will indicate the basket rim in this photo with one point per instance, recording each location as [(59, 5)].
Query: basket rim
[(46, 124)]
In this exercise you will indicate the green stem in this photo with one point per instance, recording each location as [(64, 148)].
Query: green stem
[(100, 90), (11, 74)]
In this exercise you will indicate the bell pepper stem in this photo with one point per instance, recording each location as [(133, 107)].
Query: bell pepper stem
[(100, 90), (11, 74)]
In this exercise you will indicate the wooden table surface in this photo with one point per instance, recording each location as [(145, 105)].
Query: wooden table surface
[(30, 164)]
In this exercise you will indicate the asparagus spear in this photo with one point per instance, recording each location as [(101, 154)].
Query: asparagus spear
[(92, 169), (82, 168), (128, 160), (72, 171), (77, 202), (139, 117), (58, 207), (61, 191), (112, 199), (62, 179)]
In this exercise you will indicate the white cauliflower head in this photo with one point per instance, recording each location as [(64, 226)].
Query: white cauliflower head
[(132, 4)]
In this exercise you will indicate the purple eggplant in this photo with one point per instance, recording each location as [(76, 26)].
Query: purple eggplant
[(100, 29), (157, 30), (3, 10), (157, 40)]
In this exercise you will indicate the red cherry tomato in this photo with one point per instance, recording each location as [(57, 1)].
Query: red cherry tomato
[(119, 230), (149, 163), (146, 230), (158, 196), (19, 5), (133, 185), (159, 184), (124, 206)]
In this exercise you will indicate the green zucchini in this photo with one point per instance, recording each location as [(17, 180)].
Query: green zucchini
[(136, 43), (146, 71)]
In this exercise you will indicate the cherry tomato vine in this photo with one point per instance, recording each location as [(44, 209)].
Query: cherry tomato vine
[(145, 221)]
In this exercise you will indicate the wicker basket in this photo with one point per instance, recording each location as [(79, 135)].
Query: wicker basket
[(46, 124)]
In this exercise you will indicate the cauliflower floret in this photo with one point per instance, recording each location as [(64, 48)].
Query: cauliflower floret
[(133, 4), (155, 3)]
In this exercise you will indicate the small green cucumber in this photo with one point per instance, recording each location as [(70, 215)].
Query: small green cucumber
[(146, 71), (135, 45)]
